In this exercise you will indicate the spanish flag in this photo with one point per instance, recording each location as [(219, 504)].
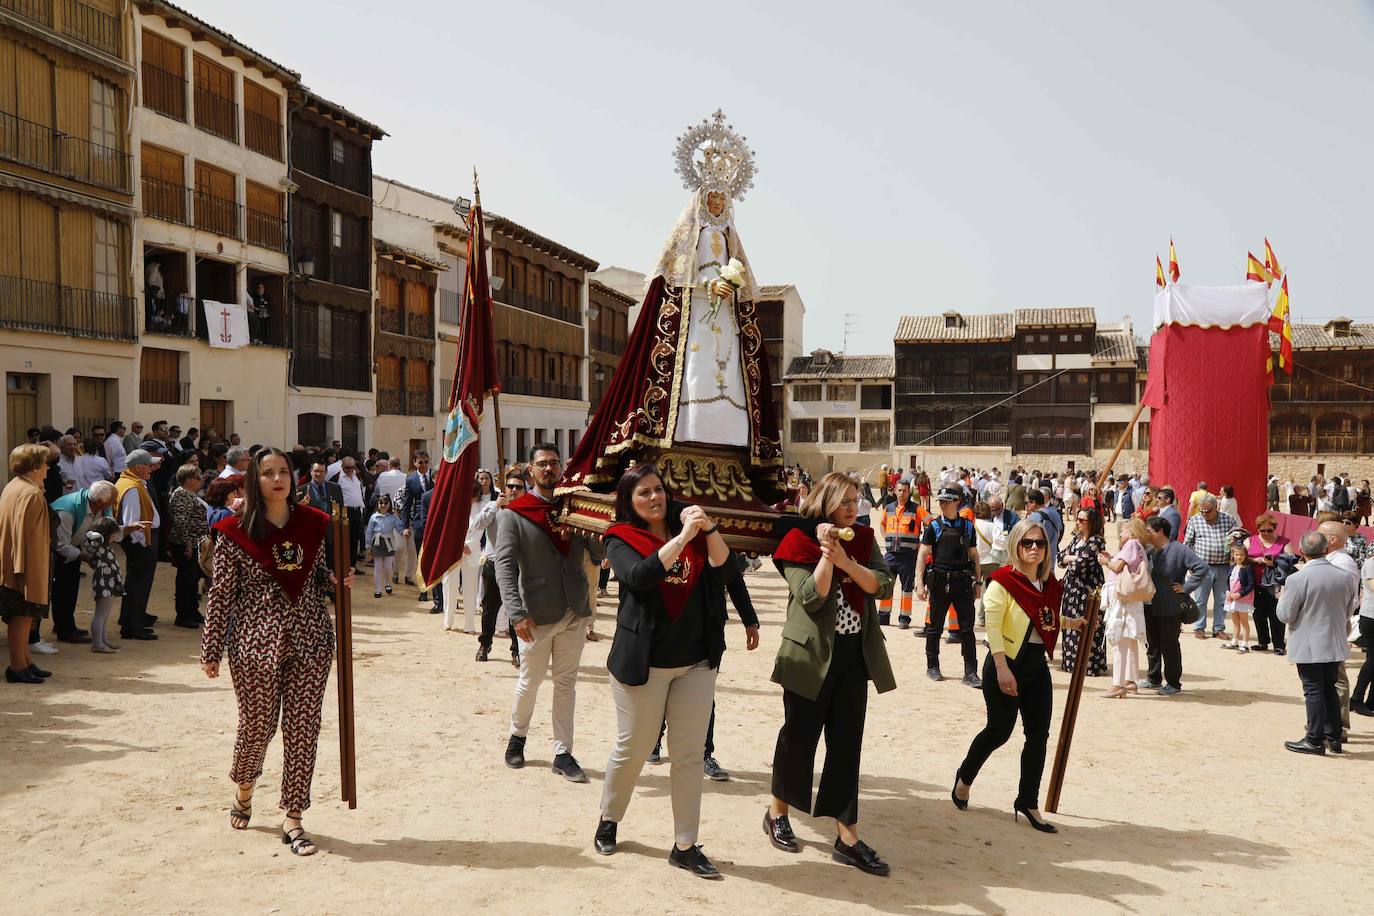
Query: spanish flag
[(1173, 262), (1254, 270), (1271, 261), (1281, 324), (1159, 273)]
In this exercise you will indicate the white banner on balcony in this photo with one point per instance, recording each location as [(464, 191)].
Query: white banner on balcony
[(226, 324)]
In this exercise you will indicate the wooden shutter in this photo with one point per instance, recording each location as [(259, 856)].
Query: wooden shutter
[(264, 200), (214, 79), (38, 245), (163, 54), (214, 181), (260, 100), (33, 79), (164, 165), (9, 229), (74, 102), (389, 372)]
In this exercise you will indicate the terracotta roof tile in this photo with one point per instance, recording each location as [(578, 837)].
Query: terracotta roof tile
[(1053, 317), (1315, 337), (842, 366), (1114, 344), (967, 328)]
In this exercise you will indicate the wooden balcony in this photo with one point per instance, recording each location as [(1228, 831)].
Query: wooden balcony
[(986, 438), (350, 270), (1051, 445), (218, 215), (542, 389), (341, 371), (266, 230), (352, 174), (34, 305), (166, 201), (532, 303), (262, 134), (92, 27), (164, 92), (607, 343), (391, 402), (46, 148)]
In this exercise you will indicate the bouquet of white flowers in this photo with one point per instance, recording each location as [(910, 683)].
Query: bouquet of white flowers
[(732, 273)]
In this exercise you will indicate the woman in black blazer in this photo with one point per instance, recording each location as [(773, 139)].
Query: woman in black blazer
[(670, 634)]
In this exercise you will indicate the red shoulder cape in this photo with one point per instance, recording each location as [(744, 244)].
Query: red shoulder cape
[(288, 553), (677, 585), (541, 513), (1042, 607), (799, 547)]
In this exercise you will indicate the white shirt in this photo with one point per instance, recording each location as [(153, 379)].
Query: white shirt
[(114, 452), (334, 468), (68, 468), (391, 482), (480, 516), (130, 512), (89, 469), (230, 471), (1345, 562), (352, 488)]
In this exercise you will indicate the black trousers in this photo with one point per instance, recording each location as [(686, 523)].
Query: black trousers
[(66, 583), (946, 589), (188, 584), (140, 567), (355, 535), (603, 579), (839, 711), (710, 733), (1319, 695), (1268, 627), (491, 606), (1366, 675), (1034, 700), (1162, 650)]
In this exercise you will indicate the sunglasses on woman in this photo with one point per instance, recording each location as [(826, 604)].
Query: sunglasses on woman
[(1034, 543)]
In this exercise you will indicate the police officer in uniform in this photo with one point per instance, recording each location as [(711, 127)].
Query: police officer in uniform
[(900, 521), (947, 569)]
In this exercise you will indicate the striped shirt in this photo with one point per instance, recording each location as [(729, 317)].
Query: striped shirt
[(1211, 541)]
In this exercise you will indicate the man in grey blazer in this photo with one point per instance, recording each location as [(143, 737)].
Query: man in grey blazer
[(543, 586), (1315, 605)]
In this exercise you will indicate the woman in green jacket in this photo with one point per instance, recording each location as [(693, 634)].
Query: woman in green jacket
[(831, 648)]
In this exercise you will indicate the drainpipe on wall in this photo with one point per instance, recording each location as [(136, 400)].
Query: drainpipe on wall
[(291, 251)]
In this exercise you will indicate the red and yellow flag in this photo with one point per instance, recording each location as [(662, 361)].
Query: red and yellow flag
[(1271, 260), (1280, 322), (1159, 273), (1173, 261), (1254, 270)]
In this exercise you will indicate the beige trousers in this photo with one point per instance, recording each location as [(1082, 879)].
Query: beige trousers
[(683, 696), (557, 652)]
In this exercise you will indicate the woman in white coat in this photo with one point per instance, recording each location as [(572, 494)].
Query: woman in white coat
[(480, 516)]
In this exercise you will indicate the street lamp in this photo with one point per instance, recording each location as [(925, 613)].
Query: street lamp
[(306, 264), (462, 206), (600, 374), (497, 283)]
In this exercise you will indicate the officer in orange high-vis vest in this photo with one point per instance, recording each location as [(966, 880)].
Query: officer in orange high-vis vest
[(900, 521)]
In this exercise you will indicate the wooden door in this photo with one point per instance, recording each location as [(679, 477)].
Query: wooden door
[(350, 436), (93, 401), (416, 445), (21, 402), (215, 415)]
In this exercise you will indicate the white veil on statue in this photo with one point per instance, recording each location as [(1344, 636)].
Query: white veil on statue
[(677, 265)]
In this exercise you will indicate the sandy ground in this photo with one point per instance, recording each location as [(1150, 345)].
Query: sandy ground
[(114, 793)]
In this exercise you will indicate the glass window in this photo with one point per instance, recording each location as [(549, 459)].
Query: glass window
[(804, 430), (806, 392), (839, 429), (107, 238), (336, 228), (336, 150), (840, 392), (324, 340)]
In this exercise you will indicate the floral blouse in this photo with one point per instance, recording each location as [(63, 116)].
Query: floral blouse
[(1080, 560), (248, 612), (188, 517)]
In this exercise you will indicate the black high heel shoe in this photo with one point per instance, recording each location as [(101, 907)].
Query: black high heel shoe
[(960, 803), (1042, 826)]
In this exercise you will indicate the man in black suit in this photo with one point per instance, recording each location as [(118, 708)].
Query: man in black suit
[(321, 494), (418, 482)]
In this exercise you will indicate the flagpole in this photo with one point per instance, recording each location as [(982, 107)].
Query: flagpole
[(1092, 620)]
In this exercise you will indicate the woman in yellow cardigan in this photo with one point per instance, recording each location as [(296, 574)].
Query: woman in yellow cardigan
[(1022, 605)]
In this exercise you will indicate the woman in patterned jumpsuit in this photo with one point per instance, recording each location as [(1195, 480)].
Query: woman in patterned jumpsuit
[(268, 607)]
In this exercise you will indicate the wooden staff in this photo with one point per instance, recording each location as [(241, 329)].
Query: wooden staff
[(343, 630), (1080, 667)]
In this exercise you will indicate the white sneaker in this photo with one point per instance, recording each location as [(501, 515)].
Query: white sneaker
[(43, 648)]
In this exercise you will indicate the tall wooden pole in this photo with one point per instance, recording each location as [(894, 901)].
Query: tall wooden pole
[(343, 631), (1080, 666)]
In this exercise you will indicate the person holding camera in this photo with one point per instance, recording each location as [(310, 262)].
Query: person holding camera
[(947, 569)]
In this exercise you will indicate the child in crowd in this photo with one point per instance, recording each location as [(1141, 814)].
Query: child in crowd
[(1240, 598), (382, 530), (107, 583)]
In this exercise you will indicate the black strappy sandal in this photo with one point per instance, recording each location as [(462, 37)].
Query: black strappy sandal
[(240, 812), (298, 841)]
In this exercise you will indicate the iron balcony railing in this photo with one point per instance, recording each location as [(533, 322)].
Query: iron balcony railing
[(350, 270), (166, 201), (350, 173), (266, 230), (349, 372), (532, 303), (262, 134), (217, 115), (39, 11), (218, 215), (607, 343), (420, 403), (92, 27), (47, 148), (35, 305), (922, 435), (955, 384), (543, 389), (164, 91), (164, 391), (1051, 445)]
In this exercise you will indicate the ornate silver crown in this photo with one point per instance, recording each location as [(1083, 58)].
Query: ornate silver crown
[(711, 155)]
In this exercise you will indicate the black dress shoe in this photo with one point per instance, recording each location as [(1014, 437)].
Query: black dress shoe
[(694, 861), (565, 765), (604, 842), (1305, 747), (861, 856), (77, 638), (1361, 709), (779, 830), (934, 674), (1335, 746), (515, 752), (138, 634), (21, 677), (434, 610), (188, 624), (34, 669), (482, 652)]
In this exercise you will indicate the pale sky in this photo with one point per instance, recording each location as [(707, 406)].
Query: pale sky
[(913, 157)]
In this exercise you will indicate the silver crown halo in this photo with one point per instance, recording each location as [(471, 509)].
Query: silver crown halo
[(711, 155)]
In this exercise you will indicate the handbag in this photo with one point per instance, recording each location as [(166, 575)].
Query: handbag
[(205, 555), (1135, 586), (1188, 609)]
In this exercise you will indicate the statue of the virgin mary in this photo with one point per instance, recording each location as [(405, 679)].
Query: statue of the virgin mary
[(692, 392)]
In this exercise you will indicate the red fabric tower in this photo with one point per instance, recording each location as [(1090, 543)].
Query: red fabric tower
[(446, 525)]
